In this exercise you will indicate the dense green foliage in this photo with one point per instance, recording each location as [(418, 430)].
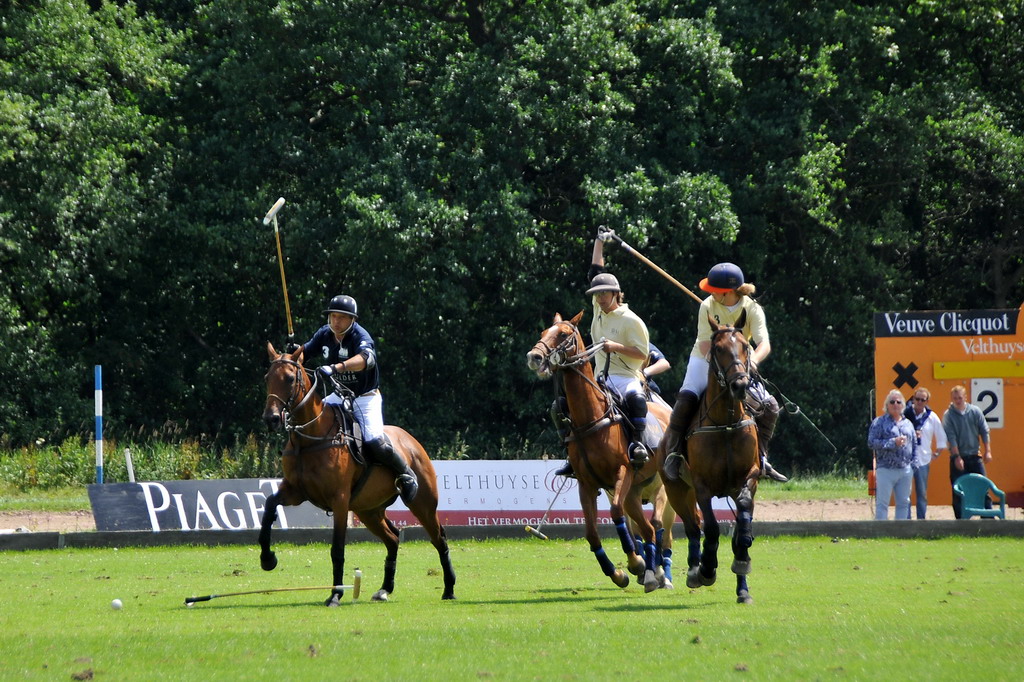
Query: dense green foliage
[(447, 164)]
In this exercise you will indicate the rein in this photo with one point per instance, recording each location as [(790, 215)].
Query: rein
[(289, 406), (721, 375), (720, 372), (558, 360), (556, 356)]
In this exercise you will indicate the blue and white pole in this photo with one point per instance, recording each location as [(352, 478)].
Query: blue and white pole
[(99, 423)]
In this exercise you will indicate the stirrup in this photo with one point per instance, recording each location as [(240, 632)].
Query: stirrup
[(673, 463), (768, 470), (638, 461)]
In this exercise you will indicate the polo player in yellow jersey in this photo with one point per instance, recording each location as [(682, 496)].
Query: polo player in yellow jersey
[(625, 352), (730, 297)]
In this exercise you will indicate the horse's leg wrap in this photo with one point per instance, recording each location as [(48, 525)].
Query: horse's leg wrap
[(641, 551), (449, 575), (650, 552), (390, 566), (659, 551), (742, 591), (666, 563), (744, 528), (606, 564), (268, 560), (745, 518), (693, 552), (624, 536)]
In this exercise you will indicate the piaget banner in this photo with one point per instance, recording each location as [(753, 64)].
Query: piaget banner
[(471, 493)]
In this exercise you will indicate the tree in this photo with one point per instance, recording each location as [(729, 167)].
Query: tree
[(80, 158)]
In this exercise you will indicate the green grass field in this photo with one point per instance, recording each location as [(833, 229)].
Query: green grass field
[(527, 609)]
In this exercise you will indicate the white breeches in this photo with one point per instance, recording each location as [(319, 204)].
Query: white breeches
[(696, 379), (368, 410)]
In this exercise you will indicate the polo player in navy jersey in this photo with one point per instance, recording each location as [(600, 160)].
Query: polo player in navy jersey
[(350, 355)]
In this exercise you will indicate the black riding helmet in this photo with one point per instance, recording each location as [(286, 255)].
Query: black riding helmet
[(343, 304)]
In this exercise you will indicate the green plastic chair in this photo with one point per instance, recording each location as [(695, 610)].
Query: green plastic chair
[(972, 489)]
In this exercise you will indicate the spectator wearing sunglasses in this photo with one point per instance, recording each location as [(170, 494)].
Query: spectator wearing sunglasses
[(929, 431), (892, 437)]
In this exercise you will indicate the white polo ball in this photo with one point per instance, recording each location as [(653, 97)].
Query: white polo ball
[(116, 604)]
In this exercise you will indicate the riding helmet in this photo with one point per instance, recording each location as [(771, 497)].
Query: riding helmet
[(343, 304), (603, 282), (722, 279)]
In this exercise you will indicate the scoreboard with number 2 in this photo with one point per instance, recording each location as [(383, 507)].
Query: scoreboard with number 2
[(982, 350)]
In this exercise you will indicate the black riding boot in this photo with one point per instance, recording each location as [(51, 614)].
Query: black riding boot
[(560, 418), (765, 430), (636, 404), (675, 437), (380, 451)]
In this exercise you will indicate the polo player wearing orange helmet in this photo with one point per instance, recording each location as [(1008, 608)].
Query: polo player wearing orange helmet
[(730, 297)]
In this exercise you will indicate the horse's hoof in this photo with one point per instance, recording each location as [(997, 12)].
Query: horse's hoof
[(667, 585), (693, 578), (741, 567), (379, 595), (620, 578), (636, 565), (744, 598), (268, 562), (447, 595), (333, 600), (651, 582), (708, 580)]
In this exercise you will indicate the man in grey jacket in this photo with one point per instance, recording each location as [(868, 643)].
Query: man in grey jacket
[(965, 428)]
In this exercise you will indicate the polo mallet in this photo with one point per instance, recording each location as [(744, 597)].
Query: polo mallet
[(356, 584), (272, 215), (651, 264), (536, 531)]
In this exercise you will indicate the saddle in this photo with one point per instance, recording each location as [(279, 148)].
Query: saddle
[(654, 431), (349, 431), (752, 402)]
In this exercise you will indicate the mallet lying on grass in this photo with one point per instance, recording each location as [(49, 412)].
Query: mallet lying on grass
[(356, 584), (536, 531)]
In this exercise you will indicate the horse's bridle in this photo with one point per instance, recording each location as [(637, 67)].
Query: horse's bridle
[(288, 406), (556, 360), (556, 357), (721, 372)]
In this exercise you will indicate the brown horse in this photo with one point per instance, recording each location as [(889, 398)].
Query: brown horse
[(722, 461), (598, 453), (319, 467)]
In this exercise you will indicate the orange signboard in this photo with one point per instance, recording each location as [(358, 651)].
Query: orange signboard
[(983, 350)]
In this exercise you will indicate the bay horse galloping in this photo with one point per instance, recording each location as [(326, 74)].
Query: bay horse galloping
[(319, 467), (722, 461), (598, 452)]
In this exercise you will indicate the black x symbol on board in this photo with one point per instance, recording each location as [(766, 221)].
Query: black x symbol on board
[(905, 375)]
